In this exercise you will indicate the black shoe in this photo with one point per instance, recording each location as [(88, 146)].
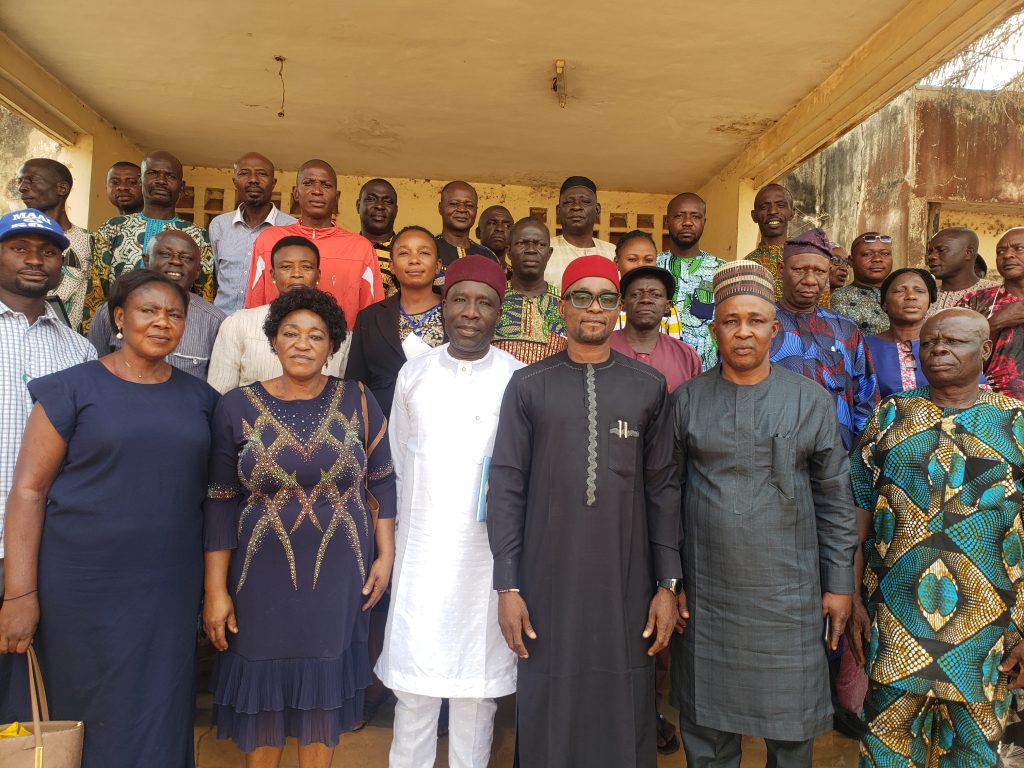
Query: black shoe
[(849, 724)]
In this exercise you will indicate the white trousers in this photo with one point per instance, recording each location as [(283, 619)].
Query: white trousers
[(470, 731)]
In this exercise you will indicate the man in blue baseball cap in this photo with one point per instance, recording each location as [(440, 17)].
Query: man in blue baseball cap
[(32, 222), (33, 343)]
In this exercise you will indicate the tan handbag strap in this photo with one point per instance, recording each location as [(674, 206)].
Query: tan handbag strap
[(37, 696)]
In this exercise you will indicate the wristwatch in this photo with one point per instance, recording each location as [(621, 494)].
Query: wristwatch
[(675, 585)]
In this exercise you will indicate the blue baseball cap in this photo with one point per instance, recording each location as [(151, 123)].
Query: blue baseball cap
[(30, 221)]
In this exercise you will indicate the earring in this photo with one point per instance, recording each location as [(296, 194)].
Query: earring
[(273, 350), (118, 335)]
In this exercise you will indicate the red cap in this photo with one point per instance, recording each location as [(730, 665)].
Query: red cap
[(477, 268), (593, 265)]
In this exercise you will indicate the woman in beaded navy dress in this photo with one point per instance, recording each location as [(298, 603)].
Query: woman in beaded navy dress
[(295, 558)]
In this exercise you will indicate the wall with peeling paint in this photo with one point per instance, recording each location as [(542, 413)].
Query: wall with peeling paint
[(931, 158)]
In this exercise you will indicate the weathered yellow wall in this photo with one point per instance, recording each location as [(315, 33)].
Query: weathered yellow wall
[(418, 198), (90, 143)]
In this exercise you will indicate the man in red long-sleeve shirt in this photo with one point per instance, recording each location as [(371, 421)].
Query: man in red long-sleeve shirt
[(348, 265)]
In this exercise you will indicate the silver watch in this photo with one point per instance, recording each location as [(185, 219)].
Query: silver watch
[(675, 585)]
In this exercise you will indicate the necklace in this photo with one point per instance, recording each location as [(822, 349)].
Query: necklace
[(125, 361), (416, 325)]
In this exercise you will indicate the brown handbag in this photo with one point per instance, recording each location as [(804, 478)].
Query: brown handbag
[(52, 743), (368, 448)]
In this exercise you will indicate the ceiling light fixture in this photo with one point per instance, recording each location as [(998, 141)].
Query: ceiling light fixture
[(558, 82)]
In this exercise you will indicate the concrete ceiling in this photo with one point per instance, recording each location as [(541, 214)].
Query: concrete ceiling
[(661, 94)]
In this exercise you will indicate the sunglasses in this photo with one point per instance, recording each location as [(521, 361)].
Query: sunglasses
[(585, 299), (887, 239)]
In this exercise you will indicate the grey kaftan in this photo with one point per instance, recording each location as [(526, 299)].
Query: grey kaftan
[(768, 525), (583, 517)]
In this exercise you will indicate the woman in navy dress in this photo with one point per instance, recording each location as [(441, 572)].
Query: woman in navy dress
[(906, 295), (295, 559), (105, 520)]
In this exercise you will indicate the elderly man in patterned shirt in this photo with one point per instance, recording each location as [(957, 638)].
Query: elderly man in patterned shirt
[(937, 475)]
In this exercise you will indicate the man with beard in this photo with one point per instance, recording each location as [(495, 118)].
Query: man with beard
[(348, 264), (583, 517), (34, 342), (124, 187), (772, 212), (458, 214), (233, 234), (493, 231), (441, 638), (951, 258), (175, 255), (530, 327), (377, 206), (692, 268), (577, 214), (1003, 306), (119, 243), (645, 299), (769, 533), (45, 184)]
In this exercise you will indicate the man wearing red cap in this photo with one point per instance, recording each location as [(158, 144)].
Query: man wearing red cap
[(442, 639), (583, 518)]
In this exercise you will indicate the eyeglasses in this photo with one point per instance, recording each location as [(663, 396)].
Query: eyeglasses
[(887, 239), (585, 299)]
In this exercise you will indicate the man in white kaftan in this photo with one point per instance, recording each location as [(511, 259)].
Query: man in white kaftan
[(443, 639)]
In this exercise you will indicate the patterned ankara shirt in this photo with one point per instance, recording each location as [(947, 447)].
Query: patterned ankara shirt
[(863, 306), (693, 290), (830, 350), (770, 257), (942, 577), (118, 247), (28, 352), (74, 280), (1005, 368), (947, 299), (530, 327)]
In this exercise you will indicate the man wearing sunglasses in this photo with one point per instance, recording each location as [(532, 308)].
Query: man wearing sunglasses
[(583, 517), (871, 260)]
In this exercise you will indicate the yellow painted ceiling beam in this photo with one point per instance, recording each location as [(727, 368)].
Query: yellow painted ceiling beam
[(909, 47)]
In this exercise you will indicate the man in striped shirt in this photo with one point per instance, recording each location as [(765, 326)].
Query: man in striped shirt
[(174, 254), (34, 342)]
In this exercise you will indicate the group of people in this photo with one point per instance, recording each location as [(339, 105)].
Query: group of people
[(585, 473)]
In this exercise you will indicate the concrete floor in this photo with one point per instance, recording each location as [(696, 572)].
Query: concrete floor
[(368, 748)]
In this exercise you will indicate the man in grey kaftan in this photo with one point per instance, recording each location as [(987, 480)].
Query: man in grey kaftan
[(769, 534)]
